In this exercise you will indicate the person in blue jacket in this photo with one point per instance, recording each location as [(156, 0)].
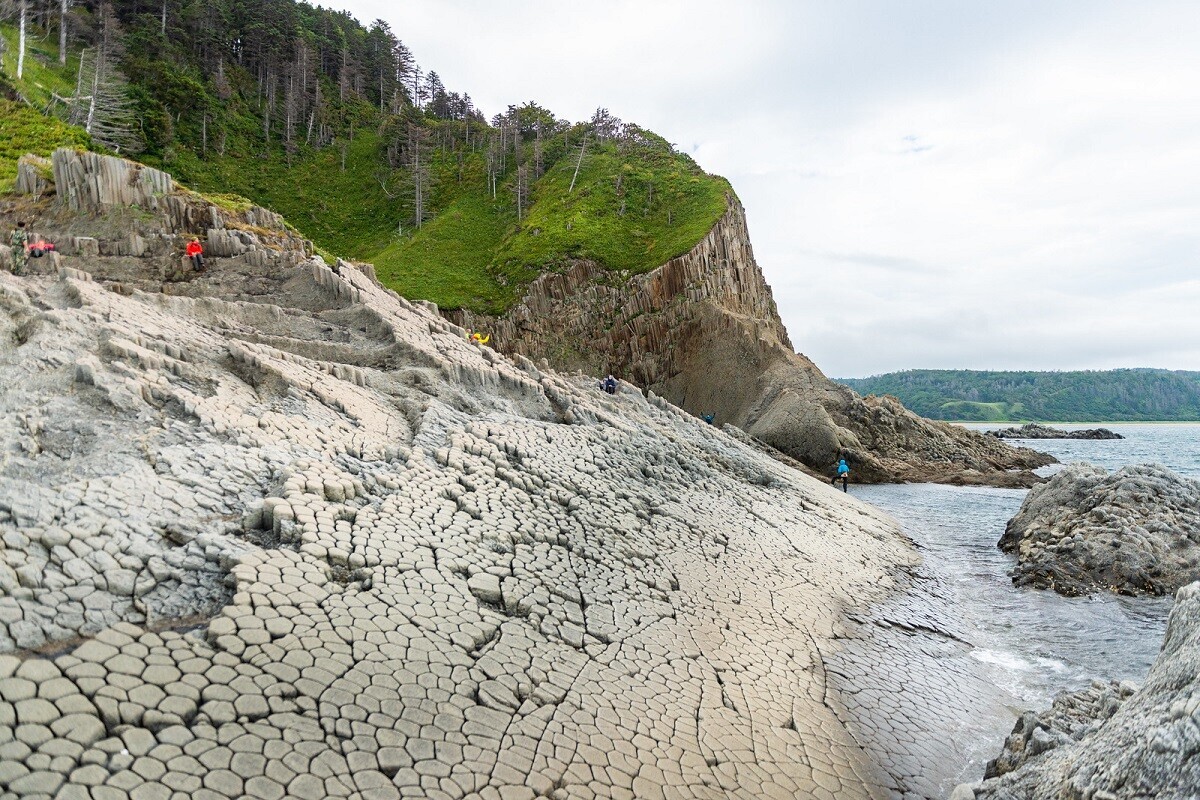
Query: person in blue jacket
[(843, 474)]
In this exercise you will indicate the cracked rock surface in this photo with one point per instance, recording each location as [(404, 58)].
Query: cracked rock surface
[(293, 536)]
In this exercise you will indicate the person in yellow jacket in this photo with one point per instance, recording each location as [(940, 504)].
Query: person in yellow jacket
[(479, 338)]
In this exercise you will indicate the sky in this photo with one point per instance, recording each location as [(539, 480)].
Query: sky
[(928, 185)]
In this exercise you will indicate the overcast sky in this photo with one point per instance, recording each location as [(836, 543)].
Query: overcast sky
[(984, 185)]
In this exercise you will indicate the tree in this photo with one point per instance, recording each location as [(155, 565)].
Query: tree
[(604, 125), (106, 111), (65, 8), (24, 12)]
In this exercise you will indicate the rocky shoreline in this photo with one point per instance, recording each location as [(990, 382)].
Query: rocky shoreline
[(1112, 740), (1034, 430), (703, 332)]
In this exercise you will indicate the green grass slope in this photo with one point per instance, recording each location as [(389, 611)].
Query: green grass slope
[(636, 202)]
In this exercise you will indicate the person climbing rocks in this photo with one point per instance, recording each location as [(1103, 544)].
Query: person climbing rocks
[(842, 474), (19, 241), (610, 385), (479, 338), (709, 418), (196, 253)]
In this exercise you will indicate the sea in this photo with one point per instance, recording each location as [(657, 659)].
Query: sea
[(1035, 643)]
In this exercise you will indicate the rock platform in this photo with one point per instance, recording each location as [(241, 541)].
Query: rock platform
[(273, 531), (1136, 531)]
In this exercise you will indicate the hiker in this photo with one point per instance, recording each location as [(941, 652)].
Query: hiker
[(843, 474), (19, 241), (709, 418), (610, 385), (196, 253), (479, 338), (40, 248)]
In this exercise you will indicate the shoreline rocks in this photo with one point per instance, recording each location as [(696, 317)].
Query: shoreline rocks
[(1136, 531), (1034, 430), (1110, 742)]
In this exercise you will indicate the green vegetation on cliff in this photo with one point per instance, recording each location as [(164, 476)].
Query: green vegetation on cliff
[(334, 125), (1122, 395)]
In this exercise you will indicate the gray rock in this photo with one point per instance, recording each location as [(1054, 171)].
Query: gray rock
[(1033, 430), (1136, 531), (1109, 741)]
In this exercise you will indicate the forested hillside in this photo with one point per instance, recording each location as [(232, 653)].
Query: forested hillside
[(1089, 396), (337, 126)]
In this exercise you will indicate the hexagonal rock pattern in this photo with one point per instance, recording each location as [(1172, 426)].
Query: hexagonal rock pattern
[(338, 552)]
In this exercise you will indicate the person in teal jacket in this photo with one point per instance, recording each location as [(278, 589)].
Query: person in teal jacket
[(842, 474)]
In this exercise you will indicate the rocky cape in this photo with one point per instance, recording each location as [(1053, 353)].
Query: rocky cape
[(1033, 430), (1136, 531), (272, 530), (703, 331), (1109, 741)]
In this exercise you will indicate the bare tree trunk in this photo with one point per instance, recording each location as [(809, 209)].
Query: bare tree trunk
[(62, 32), (164, 18), (577, 163), (204, 136), (21, 45)]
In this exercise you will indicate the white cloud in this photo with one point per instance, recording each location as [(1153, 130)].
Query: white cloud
[(929, 184)]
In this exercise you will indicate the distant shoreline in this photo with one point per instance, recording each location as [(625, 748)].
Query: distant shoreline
[(1082, 424)]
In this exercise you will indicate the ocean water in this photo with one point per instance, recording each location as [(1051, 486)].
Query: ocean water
[(1035, 643)]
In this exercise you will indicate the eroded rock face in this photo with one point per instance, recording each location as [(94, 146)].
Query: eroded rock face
[(278, 531), (703, 331), (1103, 743), (1136, 531), (1033, 430)]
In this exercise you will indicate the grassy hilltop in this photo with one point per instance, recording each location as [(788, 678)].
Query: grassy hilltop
[(335, 126)]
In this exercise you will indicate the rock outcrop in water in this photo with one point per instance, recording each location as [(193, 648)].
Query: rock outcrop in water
[(1033, 430), (703, 331), (274, 531), (1104, 744), (1136, 531)]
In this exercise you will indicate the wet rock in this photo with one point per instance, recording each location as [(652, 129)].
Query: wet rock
[(1136, 531), (1034, 430), (1110, 740)]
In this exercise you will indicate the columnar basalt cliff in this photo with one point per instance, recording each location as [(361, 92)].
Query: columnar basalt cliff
[(703, 331)]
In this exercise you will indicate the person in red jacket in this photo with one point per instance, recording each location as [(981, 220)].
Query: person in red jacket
[(196, 253)]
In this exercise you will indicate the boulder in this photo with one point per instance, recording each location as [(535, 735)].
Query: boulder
[(1109, 741), (1033, 430), (1136, 531)]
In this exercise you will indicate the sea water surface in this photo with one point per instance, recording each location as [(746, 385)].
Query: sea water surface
[(1036, 643)]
